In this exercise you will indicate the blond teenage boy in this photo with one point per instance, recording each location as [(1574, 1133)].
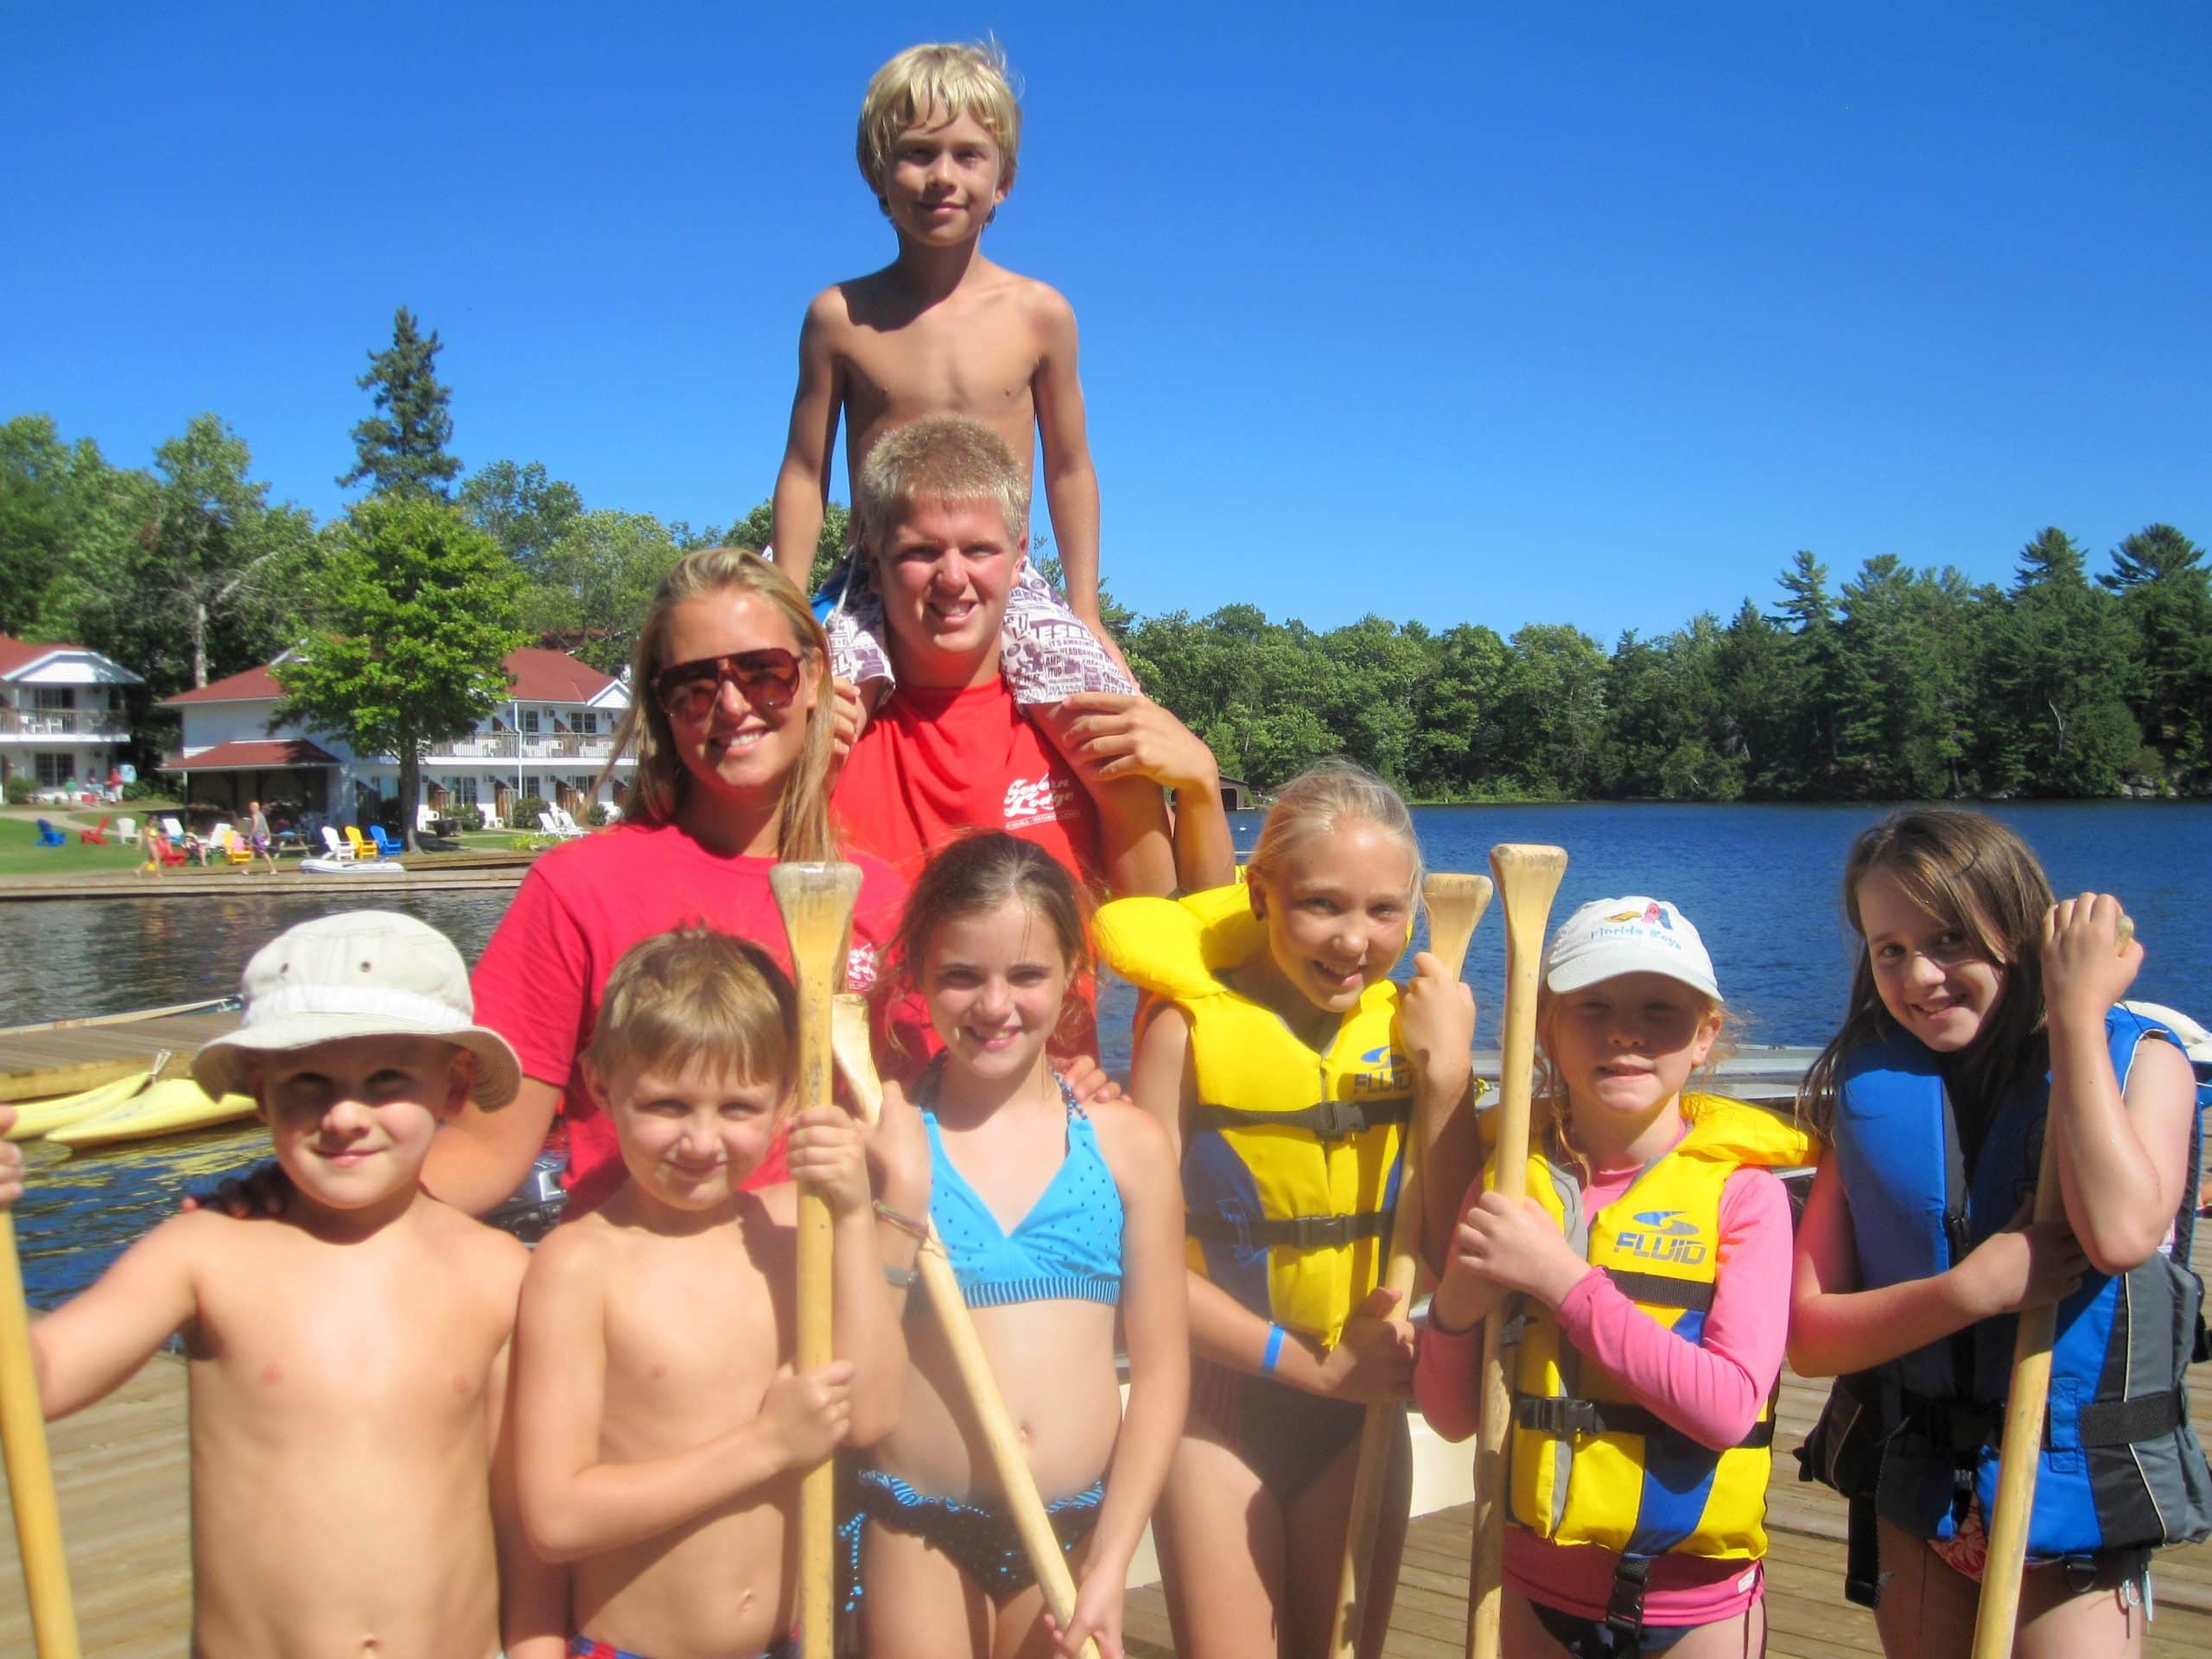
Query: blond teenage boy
[(941, 330), (661, 1430), (350, 1489)]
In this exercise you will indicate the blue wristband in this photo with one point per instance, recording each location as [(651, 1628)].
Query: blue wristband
[(1274, 1350)]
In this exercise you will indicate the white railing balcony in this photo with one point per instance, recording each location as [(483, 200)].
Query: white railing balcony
[(527, 746), (62, 722)]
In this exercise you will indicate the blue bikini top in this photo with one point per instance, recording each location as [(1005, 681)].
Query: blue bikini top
[(1067, 1248)]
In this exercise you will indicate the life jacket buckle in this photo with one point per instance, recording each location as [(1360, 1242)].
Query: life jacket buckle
[(1320, 1232), (1624, 1607), (1556, 1416), (1338, 1120)]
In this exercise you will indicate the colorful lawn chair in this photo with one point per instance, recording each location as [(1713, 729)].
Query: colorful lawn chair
[(97, 835), (50, 837), (387, 844), (364, 848)]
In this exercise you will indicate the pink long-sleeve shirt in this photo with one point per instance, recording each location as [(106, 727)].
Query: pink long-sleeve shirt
[(1711, 1391)]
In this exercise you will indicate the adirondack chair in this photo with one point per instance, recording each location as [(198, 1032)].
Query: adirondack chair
[(234, 848), (126, 831), (50, 837), (565, 821), (161, 849), (364, 848), (338, 846), (97, 835), (387, 845), (550, 823)]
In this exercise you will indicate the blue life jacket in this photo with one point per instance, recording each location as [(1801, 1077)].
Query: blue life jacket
[(2120, 1467)]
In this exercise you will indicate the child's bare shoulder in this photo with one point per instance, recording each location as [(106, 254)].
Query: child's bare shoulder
[(1130, 1139), (486, 1249)]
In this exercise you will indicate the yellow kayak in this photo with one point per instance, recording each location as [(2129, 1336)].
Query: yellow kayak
[(43, 1116), (169, 1107)]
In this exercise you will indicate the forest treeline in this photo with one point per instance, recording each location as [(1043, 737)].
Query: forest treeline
[(1896, 683)]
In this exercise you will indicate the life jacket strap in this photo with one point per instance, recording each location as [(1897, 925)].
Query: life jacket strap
[(1330, 1232), (1955, 1426), (2122, 1422), (1326, 1119), (1658, 1290), (1624, 1607), (1862, 1554), (1560, 1418)]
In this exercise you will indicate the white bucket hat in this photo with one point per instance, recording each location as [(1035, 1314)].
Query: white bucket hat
[(359, 973), (1635, 935)]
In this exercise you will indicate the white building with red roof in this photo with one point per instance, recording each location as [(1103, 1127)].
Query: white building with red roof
[(62, 714), (554, 737)]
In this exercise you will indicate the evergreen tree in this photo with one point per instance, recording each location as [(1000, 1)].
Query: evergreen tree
[(2166, 602), (416, 611), (1809, 613), (2058, 665), (402, 450)]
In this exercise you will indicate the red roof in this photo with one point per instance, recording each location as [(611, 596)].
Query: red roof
[(21, 653), (539, 676), (249, 686), (543, 676), (272, 755)]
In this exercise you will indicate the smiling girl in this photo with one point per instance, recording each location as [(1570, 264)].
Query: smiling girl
[(1652, 1260), (1284, 1065), (1058, 1217), (1982, 1020)]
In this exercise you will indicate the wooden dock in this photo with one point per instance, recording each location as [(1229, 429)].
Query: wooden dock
[(420, 872), (121, 1468), (38, 1062)]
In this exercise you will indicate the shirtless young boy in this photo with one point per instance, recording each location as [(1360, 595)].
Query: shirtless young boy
[(351, 1492), (661, 1432), (941, 330)]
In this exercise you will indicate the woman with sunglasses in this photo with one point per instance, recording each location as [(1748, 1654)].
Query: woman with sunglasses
[(731, 719)]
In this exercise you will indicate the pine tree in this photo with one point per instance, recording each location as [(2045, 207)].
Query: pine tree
[(402, 451)]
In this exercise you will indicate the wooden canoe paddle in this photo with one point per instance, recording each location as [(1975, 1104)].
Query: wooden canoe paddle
[(2019, 1446), (1528, 878), (30, 1475), (817, 902), (1025, 1505), (1455, 905)]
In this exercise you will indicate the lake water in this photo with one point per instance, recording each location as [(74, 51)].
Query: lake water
[(1759, 881)]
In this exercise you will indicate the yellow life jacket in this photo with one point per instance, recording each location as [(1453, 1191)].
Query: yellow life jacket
[(1587, 1464), (1290, 1160)]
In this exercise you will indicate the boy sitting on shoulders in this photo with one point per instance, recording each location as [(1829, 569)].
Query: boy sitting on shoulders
[(350, 1488), (661, 1430), (942, 330)]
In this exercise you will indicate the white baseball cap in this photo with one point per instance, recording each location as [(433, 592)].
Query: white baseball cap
[(1635, 935), (359, 973)]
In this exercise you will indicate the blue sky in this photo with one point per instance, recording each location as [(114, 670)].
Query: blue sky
[(1592, 313)]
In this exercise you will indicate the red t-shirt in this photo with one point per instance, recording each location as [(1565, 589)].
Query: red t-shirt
[(932, 764), (584, 903)]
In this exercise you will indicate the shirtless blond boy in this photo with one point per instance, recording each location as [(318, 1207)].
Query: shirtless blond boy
[(942, 330), (351, 1493), (661, 1430)]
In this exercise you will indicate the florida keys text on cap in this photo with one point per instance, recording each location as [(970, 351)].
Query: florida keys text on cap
[(1635, 935), (359, 973)]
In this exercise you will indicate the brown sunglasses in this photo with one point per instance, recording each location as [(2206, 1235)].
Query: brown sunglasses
[(766, 679)]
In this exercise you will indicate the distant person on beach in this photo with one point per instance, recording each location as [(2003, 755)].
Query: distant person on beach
[(1983, 1043), (661, 1431), (941, 330), (942, 511), (259, 840), (1648, 1265), (351, 1486)]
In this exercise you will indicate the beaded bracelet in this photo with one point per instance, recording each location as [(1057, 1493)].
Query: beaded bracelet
[(906, 1224)]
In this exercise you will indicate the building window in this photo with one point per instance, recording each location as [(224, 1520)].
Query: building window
[(530, 722), (464, 789), (54, 698), (55, 770), (586, 722)]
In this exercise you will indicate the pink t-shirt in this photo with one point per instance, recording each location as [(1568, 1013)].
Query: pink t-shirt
[(1711, 1391), (584, 903)]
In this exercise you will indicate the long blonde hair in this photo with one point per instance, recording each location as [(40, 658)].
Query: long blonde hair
[(1981, 877), (657, 790)]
